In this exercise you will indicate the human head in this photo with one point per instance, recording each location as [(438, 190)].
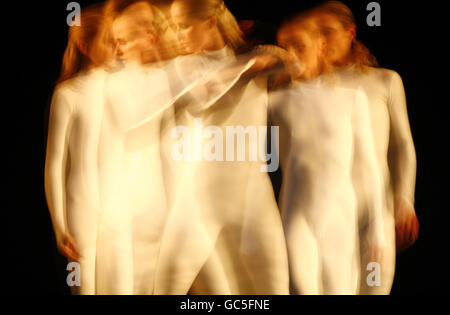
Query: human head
[(339, 28), (89, 45), (302, 38), (134, 30), (205, 25)]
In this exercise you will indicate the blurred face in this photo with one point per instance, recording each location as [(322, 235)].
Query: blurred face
[(101, 50), (134, 34), (303, 47), (339, 39), (192, 33)]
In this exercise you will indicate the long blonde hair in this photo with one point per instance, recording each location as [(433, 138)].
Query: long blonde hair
[(360, 54), (226, 22), (74, 59)]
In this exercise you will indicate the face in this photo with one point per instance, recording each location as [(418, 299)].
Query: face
[(303, 48), (339, 39), (192, 33), (101, 50), (134, 35)]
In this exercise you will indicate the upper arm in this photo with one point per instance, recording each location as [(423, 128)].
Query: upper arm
[(398, 112), (59, 120)]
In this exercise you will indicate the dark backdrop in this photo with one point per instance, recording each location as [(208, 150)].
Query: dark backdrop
[(409, 40)]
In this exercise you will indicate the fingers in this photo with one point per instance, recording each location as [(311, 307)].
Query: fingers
[(69, 249), (399, 238), (264, 62), (70, 254), (73, 248), (406, 234), (413, 230)]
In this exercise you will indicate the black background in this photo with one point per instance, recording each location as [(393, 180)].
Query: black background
[(410, 40)]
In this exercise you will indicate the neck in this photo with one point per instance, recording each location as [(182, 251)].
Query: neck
[(344, 62), (313, 72), (216, 43)]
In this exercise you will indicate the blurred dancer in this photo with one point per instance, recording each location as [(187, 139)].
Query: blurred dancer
[(71, 170), (224, 234), (137, 116), (392, 136), (324, 129)]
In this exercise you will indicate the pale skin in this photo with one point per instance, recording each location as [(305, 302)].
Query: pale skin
[(69, 249), (302, 48), (195, 35), (133, 41)]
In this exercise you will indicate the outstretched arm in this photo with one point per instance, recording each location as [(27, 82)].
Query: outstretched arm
[(402, 165)]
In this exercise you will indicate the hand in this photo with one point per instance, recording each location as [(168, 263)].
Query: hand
[(406, 224), (294, 66), (68, 248), (262, 63)]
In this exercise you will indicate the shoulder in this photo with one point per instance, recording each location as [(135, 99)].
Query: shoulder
[(65, 94), (384, 74), (68, 87)]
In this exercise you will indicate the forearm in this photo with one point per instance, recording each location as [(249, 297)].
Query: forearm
[(55, 195), (402, 155), (216, 84), (55, 162), (403, 165)]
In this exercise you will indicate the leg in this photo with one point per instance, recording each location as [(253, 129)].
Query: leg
[(338, 255), (211, 279), (387, 262), (303, 257)]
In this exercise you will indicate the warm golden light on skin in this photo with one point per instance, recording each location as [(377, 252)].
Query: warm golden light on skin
[(339, 39), (135, 34), (194, 34), (305, 44)]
